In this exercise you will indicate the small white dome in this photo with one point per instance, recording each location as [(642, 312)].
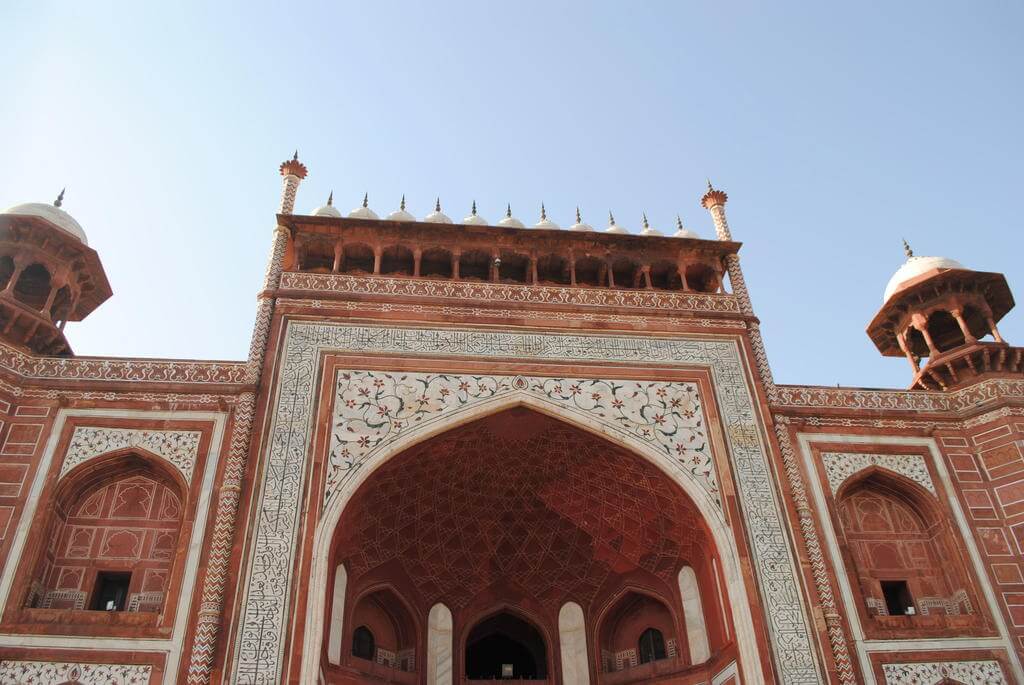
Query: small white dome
[(579, 225), (614, 227), (683, 232), (509, 220), (364, 212), (475, 219), (328, 209), (52, 213), (914, 267), (545, 223), (400, 214), (437, 216), (647, 229)]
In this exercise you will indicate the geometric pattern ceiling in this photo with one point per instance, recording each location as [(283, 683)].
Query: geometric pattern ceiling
[(517, 502)]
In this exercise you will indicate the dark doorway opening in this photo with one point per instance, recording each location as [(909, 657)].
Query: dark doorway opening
[(111, 592), (505, 647), (898, 600)]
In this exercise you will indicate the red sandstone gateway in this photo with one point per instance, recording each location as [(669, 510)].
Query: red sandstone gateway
[(464, 452)]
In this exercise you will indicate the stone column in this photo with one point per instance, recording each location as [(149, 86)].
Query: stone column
[(439, 646), (693, 615), (572, 641)]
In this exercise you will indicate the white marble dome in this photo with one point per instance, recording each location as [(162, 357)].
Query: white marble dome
[(545, 223), (328, 209), (475, 219), (683, 232), (364, 212), (437, 216), (580, 225), (510, 221), (914, 267), (400, 214), (55, 215), (649, 230), (614, 227)]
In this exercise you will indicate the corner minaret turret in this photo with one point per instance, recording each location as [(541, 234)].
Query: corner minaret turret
[(48, 276), (937, 313)]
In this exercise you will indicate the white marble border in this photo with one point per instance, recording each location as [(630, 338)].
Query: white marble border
[(172, 646), (266, 591), (863, 646)]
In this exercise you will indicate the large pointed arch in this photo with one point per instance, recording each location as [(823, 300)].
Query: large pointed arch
[(721, 535)]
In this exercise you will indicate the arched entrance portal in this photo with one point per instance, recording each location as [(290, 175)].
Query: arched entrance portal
[(526, 513), (505, 646)]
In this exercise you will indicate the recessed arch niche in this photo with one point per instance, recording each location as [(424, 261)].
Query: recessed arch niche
[(518, 509)]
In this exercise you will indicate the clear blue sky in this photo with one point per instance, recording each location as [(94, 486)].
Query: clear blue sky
[(836, 129)]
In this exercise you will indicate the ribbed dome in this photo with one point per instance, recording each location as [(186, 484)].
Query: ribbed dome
[(509, 220), (545, 223), (475, 219), (614, 227), (648, 230), (579, 225), (400, 214), (437, 216), (328, 209), (52, 213), (364, 212), (914, 267), (683, 232)]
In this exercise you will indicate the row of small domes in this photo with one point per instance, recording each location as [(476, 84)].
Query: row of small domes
[(474, 219)]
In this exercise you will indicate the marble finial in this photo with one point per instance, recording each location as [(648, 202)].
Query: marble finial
[(543, 212), (906, 249), (579, 219), (60, 198), (646, 225), (472, 209), (402, 204), (508, 210), (330, 199), (437, 204)]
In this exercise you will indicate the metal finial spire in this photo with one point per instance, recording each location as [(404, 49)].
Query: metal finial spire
[(611, 218), (295, 157), (710, 187), (679, 222), (402, 206), (579, 219), (437, 204), (646, 225), (508, 210), (330, 199), (473, 209), (906, 249), (60, 198), (543, 212), (366, 199)]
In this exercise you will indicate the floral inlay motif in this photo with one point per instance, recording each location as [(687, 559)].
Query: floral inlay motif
[(55, 673), (840, 466), (180, 448), (373, 408), (966, 672)]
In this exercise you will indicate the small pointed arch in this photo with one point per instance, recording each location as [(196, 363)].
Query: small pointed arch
[(590, 271), (33, 286), (357, 258), (944, 330), (665, 276), (6, 270), (553, 269), (701, 278), (513, 632), (397, 260), (475, 265), (128, 460), (382, 613), (632, 620), (436, 262)]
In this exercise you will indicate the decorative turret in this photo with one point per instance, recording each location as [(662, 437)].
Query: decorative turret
[(936, 313), (48, 276)]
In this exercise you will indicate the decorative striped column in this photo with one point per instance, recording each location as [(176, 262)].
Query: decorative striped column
[(204, 643)]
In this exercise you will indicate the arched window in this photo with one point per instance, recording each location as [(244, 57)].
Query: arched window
[(651, 646), (944, 330), (362, 643)]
